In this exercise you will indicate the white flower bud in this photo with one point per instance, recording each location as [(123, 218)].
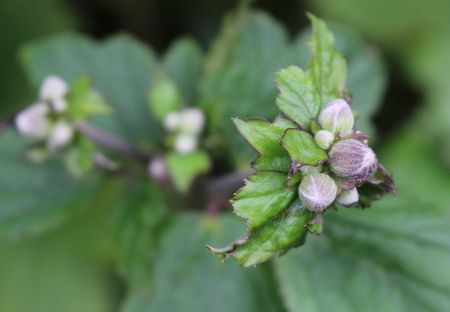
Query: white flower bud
[(172, 121), (348, 198), (324, 139), (337, 117), (350, 159), (33, 121), (317, 191), (53, 88), (185, 143), (61, 135), (59, 105), (157, 169), (192, 120)]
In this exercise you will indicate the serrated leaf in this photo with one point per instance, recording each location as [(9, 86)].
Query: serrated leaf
[(120, 67), (183, 64), (264, 196), (327, 67), (35, 198), (265, 138), (184, 168), (273, 238), (394, 255), (302, 148), (183, 270), (296, 98)]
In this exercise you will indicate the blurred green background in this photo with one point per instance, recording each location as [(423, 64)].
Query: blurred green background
[(72, 266)]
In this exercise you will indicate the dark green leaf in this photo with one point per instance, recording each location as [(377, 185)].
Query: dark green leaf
[(297, 96), (302, 148), (263, 197)]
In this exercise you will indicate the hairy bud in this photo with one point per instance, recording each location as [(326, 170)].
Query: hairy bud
[(317, 191), (33, 121), (172, 121), (337, 117), (61, 134), (348, 198), (324, 139), (185, 143), (350, 159), (192, 120), (53, 88)]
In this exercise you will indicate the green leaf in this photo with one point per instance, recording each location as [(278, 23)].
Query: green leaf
[(183, 271), (183, 64), (327, 67), (394, 256), (273, 238), (302, 148), (120, 67), (184, 168), (85, 101), (35, 198), (297, 96), (164, 98), (263, 197), (78, 159), (265, 138)]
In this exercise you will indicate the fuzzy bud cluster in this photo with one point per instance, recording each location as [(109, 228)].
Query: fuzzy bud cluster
[(44, 120), (350, 161), (186, 125)]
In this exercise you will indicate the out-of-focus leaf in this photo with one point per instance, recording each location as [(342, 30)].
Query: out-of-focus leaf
[(164, 98), (273, 238), (138, 216), (327, 67), (188, 279), (120, 68), (392, 257), (265, 138), (263, 197), (34, 198), (79, 157), (297, 98), (183, 64), (184, 168), (302, 148)]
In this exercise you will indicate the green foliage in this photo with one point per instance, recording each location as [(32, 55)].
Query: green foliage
[(302, 148), (184, 168), (164, 98)]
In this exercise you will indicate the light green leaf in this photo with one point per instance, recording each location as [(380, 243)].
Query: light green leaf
[(183, 271), (164, 98), (265, 138), (302, 148), (297, 96), (78, 158), (327, 67), (273, 238), (184, 168), (183, 65), (263, 197), (121, 70), (84, 100), (394, 256), (35, 198)]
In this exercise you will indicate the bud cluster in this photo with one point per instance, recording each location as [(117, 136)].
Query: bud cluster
[(44, 120), (350, 161), (186, 126)]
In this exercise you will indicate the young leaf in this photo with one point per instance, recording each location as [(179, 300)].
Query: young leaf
[(263, 197), (184, 168), (296, 98), (274, 237), (265, 138), (327, 67), (302, 148), (164, 97)]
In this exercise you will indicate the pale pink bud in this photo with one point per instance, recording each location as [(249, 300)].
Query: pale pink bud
[(172, 121), (324, 139), (348, 197), (192, 120), (185, 143), (337, 117), (317, 191), (53, 88), (33, 121), (61, 135)]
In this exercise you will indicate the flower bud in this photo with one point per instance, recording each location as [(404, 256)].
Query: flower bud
[(33, 121), (172, 121), (60, 136), (53, 88), (317, 191), (157, 169), (324, 139), (348, 198), (350, 159), (185, 143), (192, 120), (337, 117)]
